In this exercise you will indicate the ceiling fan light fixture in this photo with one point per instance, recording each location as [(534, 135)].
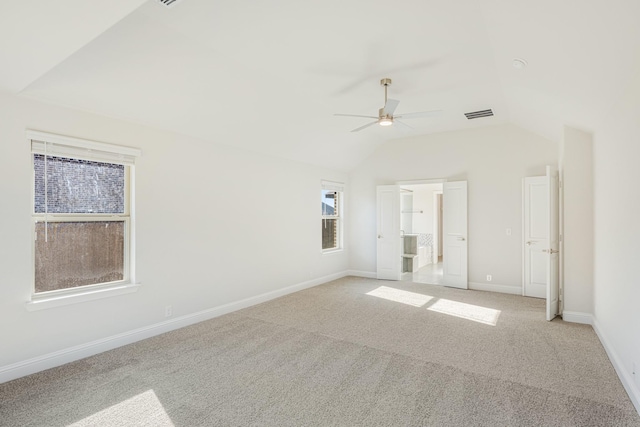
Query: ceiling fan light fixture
[(385, 121)]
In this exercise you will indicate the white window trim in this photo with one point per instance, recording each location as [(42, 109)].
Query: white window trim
[(81, 296), (63, 146), (339, 188)]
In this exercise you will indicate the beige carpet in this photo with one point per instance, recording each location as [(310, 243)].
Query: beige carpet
[(353, 352)]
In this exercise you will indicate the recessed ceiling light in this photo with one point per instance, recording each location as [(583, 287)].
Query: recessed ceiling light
[(519, 63)]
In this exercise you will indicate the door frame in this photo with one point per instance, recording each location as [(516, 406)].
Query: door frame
[(437, 207)]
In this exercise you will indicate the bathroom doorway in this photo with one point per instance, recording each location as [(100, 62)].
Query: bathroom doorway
[(421, 228)]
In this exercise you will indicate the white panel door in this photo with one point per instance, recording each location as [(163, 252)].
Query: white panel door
[(553, 290), (454, 241), (541, 239), (389, 246), (535, 235)]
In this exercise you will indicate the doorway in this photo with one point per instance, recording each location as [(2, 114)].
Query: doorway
[(421, 231), (396, 251)]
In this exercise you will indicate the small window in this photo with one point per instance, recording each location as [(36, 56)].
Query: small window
[(81, 214), (331, 199)]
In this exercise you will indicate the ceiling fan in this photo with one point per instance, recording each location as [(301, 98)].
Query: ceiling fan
[(385, 114)]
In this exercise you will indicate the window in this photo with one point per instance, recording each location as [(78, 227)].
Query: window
[(81, 215), (331, 198)]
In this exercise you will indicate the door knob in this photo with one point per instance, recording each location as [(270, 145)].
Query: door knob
[(531, 243), (461, 238), (379, 236)]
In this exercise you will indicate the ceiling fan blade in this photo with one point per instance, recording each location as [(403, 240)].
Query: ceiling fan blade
[(391, 106), (356, 115), (365, 126), (420, 115), (402, 125)]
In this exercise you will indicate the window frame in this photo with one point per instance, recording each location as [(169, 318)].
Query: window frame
[(75, 148), (338, 188)]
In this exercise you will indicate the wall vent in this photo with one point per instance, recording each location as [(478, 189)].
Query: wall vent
[(478, 114), (169, 3)]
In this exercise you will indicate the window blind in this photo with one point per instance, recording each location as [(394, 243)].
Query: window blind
[(75, 148), (332, 186)]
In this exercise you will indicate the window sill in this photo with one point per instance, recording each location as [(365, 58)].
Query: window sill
[(80, 296), (331, 251)]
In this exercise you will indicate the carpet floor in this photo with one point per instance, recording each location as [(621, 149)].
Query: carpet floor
[(352, 352)]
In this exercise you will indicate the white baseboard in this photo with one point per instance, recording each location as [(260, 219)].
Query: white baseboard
[(61, 357), (493, 287), (627, 380), (577, 317), (367, 274)]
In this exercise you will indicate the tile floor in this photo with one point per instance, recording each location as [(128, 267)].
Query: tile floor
[(430, 274)]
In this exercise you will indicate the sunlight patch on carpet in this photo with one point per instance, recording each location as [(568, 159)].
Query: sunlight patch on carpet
[(140, 410), (488, 316), (475, 313), (398, 295)]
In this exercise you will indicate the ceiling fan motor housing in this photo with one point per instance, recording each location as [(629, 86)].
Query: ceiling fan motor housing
[(382, 114)]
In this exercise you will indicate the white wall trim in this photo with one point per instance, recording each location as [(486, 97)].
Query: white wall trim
[(623, 374), (494, 287), (360, 273), (577, 317), (422, 181), (57, 358)]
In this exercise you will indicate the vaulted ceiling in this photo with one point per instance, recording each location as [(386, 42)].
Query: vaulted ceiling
[(269, 75)]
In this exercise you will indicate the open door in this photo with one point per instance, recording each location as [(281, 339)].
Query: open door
[(389, 242), (535, 236), (553, 251), (454, 241), (541, 239)]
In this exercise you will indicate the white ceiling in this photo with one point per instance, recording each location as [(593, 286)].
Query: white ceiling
[(268, 76)]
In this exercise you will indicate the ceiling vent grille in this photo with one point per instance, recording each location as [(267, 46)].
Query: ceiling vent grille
[(478, 114), (169, 3)]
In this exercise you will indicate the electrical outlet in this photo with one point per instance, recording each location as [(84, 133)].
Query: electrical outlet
[(168, 311), (489, 278)]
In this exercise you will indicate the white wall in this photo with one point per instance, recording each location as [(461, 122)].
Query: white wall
[(493, 160), (214, 225), (617, 233), (577, 171), (406, 217), (423, 201)]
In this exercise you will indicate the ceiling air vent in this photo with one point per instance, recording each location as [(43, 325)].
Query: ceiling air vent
[(169, 3), (478, 114)]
